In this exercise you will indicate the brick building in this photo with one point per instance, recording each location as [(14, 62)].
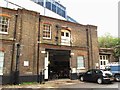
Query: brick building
[(33, 45)]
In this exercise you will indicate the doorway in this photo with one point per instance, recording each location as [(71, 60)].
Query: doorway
[(58, 64)]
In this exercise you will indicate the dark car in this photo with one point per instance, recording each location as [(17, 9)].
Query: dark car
[(97, 75)]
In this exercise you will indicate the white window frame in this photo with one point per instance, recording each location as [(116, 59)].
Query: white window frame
[(103, 61), (6, 23), (47, 31), (65, 40), (79, 59)]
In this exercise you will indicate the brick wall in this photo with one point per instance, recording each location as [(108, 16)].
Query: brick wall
[(78, 39), (27, 28)]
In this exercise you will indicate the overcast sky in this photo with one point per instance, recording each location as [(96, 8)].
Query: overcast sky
[(102, 13)]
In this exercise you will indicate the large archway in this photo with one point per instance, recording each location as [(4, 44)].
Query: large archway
[(58, 64)]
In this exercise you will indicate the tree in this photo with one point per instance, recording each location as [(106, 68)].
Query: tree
[(108, 41)]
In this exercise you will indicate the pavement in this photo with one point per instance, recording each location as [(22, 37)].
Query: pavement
[(47, 84)]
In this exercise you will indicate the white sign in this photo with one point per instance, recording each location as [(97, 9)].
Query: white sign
[(26, 63)]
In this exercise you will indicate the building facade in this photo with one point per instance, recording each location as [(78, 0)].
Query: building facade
[(33, 45), (106, 55)]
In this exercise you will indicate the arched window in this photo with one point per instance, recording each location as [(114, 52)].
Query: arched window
[(65, 37)]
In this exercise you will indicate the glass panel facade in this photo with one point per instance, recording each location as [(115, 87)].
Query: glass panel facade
[(48, 5), (54, 8), (41, 2)]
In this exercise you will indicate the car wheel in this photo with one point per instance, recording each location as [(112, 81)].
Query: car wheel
[(117, 77), (99, 81), (81, 78)]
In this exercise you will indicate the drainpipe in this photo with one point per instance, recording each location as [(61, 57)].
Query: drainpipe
[(87, 37), (13, 49), (38, 49), (14, 37), (91, 46)]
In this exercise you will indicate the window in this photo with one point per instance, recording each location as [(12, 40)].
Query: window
[(89, 72), (103, 61), (62, 33), (47, 31), (4, 22), (67, 34), (54, 8), (80, 62), (101, 57), (48, 5), (65, 37), (41, 2), (98, 72)]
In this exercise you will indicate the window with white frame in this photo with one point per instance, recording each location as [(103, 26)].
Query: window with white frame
[(103, 61), (80, 62), (46, 31), (65, 37), (4, 23)]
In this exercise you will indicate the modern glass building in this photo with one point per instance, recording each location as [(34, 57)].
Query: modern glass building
[(51, 8), (52, 5), (56, 7)]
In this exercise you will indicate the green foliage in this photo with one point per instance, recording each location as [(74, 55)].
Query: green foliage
[(108, 41)]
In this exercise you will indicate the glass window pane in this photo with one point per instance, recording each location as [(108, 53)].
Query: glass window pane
[(67, 34), (3, 24), (100, 62), (48, 5), (41, 2), (104, 63), (80, 61), (101, 57), (54, 8), (62, 33), (47, 31)]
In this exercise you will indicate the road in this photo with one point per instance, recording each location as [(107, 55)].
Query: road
[(64, 84), (94, 85)]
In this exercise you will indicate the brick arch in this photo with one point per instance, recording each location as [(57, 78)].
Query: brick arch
[(5, 15)]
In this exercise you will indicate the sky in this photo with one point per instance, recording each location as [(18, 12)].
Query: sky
[(101, 13)]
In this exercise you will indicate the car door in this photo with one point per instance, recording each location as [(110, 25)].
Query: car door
[(95, 75), (88, 75)]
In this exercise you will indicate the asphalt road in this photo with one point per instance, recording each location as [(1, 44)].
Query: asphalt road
[(112, 86)]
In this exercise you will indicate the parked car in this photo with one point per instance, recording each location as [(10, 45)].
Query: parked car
[(114, 67), (97, 75)]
